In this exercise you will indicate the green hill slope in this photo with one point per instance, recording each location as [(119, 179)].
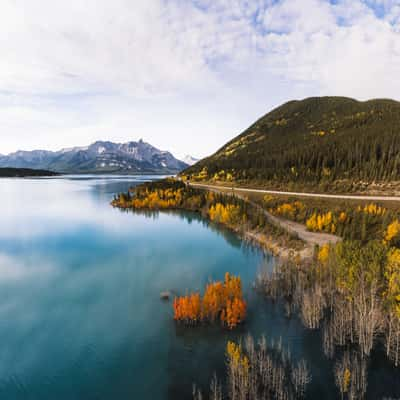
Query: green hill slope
[(329, 141)]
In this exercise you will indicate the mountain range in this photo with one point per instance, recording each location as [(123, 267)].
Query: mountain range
[(99, 157), (335, 142)]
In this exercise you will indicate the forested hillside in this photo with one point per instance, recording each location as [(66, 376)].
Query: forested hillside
[(331, 141), (24, 172)]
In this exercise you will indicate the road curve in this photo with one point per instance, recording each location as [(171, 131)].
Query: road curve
[(300, 194), (312, 238)]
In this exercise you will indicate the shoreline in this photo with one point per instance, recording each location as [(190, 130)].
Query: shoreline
[(281, 238), (309, 239), (272, 246), (258, 238)]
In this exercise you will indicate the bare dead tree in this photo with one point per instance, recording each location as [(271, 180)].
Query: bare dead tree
[(196, 393), (215, 389), (301, 377), (265, 368), (392, 338), (328, 339), (351, 376), (342, 321), (342, 374), (368, 316), (253, 380), (312, 307), (358, 387)]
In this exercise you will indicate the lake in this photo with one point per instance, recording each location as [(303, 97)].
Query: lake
[(80, 309)]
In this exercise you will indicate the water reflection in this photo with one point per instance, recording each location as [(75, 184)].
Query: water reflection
[(190, 217), (80, 314)]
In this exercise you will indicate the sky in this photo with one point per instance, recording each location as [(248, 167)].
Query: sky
[(184, 75)]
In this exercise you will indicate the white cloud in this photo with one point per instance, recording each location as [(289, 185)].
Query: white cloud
[(12, 269), (186, 76)]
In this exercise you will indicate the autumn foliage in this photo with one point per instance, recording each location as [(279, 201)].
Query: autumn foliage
[(347, 219), (321, 223), (222, 301), (224, 214), (393, 231), (171, 194), (289, 210)]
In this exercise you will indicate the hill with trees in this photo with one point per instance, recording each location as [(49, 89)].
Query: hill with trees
[(334, 142)]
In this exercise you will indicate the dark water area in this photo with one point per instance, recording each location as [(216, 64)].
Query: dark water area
[(80, 309)]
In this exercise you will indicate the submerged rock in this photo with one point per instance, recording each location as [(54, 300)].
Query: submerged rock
[(165, 295)]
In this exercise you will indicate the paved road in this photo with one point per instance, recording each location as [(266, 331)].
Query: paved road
[(312, 238), (300, 194)]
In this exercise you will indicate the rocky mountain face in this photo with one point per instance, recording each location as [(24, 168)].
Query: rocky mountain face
[(99, 157)]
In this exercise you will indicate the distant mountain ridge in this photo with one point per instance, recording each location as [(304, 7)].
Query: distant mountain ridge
[(99, 157), (335, 142)]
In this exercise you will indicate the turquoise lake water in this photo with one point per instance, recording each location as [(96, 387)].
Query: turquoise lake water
[(80, 310)]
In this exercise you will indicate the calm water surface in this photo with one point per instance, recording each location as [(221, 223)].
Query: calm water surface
[(80, 309)]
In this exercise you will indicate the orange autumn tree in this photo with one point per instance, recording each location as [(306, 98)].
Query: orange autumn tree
[(234, 313), (188, 308), (222, 301)]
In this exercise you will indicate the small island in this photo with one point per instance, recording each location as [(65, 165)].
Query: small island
[(222, 301)]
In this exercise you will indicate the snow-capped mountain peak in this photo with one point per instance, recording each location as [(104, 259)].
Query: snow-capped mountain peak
[(190, 160)]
